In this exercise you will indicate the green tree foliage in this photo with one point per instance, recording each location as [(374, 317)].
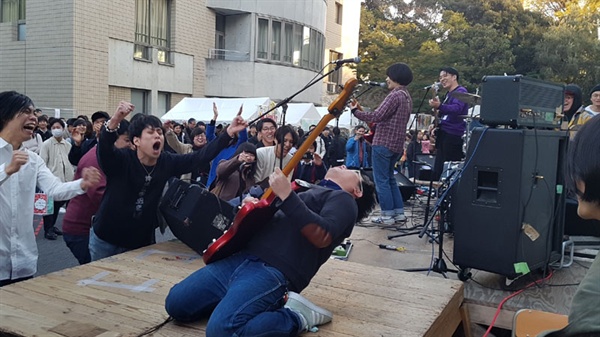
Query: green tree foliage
[(551, 40)]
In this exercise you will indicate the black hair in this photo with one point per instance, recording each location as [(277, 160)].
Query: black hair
[(367, 202), (191, 120), (196, 131), (79, 122), (89, 129), (43, 118), (583, 163), (245, 147), (200, 123), (141, 121), (451, 71), (12, 104), (262, 121), (71, 121), (84, 117), (123, 127), (53, 120), (284, 130), (360, 126), (336, 131), (400, 73)]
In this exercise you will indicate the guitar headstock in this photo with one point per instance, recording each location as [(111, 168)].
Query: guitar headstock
[(337, 106)]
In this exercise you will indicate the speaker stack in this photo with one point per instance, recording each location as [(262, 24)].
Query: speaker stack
[(509, 203)]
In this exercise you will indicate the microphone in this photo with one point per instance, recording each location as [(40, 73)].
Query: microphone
[(436, 85), (376, 84), (344, 61)]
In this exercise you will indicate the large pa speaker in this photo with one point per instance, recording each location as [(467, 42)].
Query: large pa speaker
[(509, 206)]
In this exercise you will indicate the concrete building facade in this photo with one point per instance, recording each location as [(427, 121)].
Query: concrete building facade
[(83, 56)]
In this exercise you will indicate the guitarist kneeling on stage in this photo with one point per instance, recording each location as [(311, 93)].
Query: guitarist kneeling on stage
[(255, 292)]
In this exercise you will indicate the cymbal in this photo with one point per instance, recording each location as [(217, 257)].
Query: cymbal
[(466, 97)]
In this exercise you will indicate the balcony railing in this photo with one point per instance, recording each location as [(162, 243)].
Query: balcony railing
[(229, 55)]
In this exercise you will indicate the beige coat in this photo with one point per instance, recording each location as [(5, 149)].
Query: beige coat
[(56, 156)]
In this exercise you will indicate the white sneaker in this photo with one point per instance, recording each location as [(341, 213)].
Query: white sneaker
[(310, 314), (383, 220), (399, 218)]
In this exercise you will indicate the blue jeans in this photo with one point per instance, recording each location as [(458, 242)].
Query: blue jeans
[(79, 246), (100, 249), (244, 294), (386, 186)]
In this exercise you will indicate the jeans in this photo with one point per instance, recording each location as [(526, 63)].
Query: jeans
[(100, 249), (386, 186), (244, 294), (79, 246)]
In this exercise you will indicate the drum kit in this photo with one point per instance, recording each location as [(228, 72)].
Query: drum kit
[(472, 100)]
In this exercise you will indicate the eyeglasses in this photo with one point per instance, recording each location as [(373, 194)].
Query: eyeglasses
[(595, 95), (272, 128), (360, 180)]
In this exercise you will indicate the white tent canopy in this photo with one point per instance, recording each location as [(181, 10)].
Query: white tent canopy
[(302, 114), (201, 109), (347, 120)]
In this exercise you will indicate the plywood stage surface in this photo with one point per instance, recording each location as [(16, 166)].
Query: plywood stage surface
[(124, 296)]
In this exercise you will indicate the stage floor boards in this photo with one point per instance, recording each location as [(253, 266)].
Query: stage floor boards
[(124, 296)]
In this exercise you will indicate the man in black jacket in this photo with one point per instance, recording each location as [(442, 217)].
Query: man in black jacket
[(135, 180), (244, 294)]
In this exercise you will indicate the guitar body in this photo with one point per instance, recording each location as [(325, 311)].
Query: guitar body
[(253, 217), (369, 136), (249, 220)]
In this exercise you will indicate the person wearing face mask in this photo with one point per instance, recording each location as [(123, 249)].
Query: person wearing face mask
[(55, 153)]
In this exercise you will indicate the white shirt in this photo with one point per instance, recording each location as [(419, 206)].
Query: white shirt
[(266, 161), (18, 249)]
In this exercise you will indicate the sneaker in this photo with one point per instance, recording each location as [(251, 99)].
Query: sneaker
[(383, 220), (310, 314), (399, 218), (57, 231), (50, 235)]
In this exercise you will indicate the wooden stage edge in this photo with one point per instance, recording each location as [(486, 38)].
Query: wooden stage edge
[(124, 296)]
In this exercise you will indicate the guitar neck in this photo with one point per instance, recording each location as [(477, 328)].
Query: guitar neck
[(335, 110)]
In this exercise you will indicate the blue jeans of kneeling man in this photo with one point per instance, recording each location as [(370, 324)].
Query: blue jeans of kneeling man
[(242, 294)]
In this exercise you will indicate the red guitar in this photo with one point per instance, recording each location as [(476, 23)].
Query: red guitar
[(252, 217)]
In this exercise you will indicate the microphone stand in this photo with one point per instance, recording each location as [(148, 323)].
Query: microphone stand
[(287, 100)]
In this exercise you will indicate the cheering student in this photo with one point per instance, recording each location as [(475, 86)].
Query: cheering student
[(583, 170), (388, 143), (20, 172), (135, 180), (244, 294)]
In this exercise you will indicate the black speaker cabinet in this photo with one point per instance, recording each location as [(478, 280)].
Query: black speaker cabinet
[(521, 101), (407, 188), (509, 203)]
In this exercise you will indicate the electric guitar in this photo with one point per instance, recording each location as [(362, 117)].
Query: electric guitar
[(253, 217)]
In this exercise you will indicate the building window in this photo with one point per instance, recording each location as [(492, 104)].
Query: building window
[(339, 10), (262, 45), (164, 103), (140, 99), (289, 43), (334, 77), (276, 40), (288, 46), (152, 20), (220, 37), (12, 10)]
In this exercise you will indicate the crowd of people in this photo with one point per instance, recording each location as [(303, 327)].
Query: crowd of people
[(112, 171)]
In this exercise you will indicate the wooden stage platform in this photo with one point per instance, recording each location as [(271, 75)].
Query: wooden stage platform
[(124, 296)]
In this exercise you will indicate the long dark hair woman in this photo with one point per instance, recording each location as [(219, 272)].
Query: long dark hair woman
[(236, 174)]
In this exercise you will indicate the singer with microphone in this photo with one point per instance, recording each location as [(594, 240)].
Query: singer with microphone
[(388, 143), (448, 136)]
